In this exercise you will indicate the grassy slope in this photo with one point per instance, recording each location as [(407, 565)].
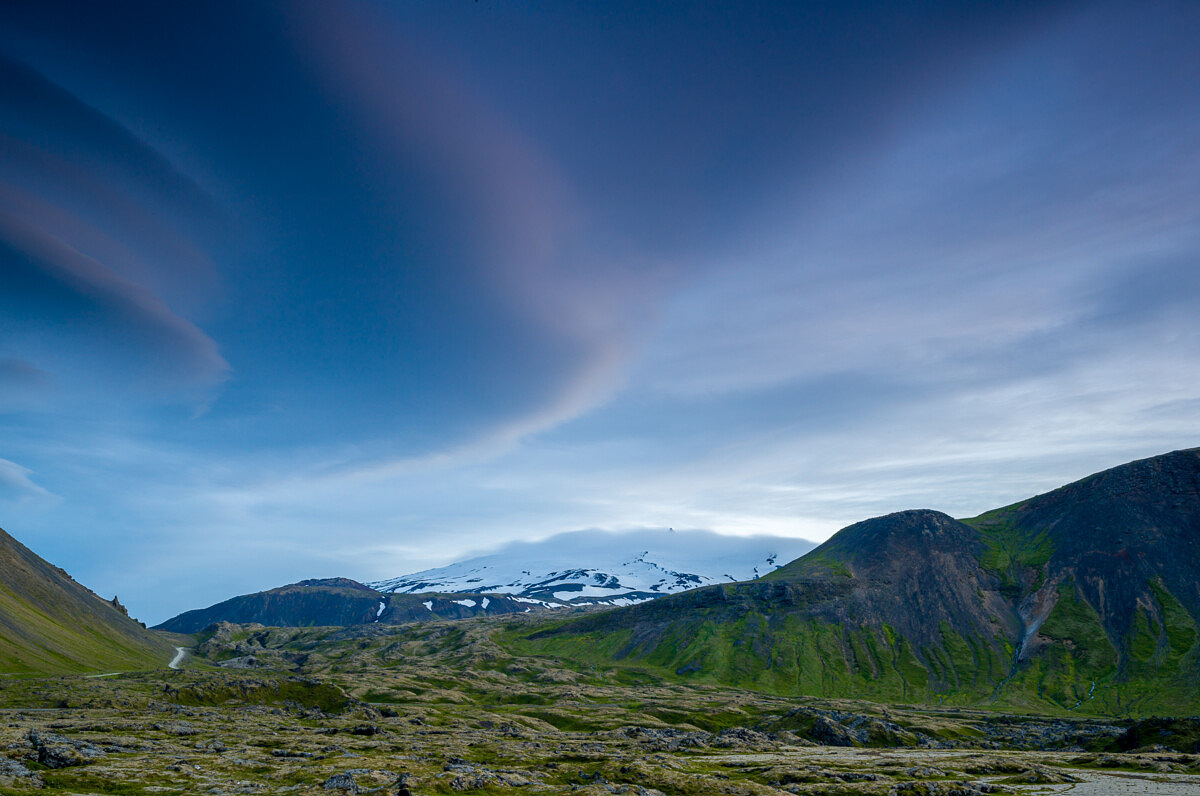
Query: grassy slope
[(794, 655), (50, 624), (798, 656), (747, 638), (1084, 667)]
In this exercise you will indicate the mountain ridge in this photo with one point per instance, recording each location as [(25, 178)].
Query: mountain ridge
[(572, 570), (338, 602)]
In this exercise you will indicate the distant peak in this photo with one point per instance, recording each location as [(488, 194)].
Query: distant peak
[(334, 583), (608, 568)]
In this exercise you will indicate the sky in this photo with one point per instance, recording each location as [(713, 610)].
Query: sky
[(305, 289)]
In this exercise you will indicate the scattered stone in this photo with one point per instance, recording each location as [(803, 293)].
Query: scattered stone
[(742, 738), (343, 782), (14, 772), (1042, 776), (832, 733), (1158, 734), (57, 751), (179, 728), (947, 789), (471, 781), (996, 766)]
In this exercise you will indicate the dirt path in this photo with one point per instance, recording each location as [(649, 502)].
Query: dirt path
[(1092, 782), (1096, 783)]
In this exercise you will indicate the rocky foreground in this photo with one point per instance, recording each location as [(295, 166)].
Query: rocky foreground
[(259, 749), (440, 709)]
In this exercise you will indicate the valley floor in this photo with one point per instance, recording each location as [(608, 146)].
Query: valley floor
[(169, 748), (440, 709)]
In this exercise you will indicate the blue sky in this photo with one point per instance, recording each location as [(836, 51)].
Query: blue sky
[(307, 289)]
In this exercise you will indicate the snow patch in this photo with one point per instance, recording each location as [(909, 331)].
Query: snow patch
[(485, 603), (379, 613), (623, 601), (468, 603), (590, 591), (428, 604)]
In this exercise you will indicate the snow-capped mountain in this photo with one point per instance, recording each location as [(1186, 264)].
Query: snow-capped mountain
[(603, 568)]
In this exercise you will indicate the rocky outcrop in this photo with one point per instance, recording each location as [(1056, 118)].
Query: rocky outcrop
[(57, 751)]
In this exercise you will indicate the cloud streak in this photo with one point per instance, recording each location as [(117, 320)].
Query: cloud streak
[(15, 482), (104, 189), (44, 271)]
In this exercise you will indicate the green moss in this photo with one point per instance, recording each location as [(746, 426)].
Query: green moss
[(1018, 556), (1073, 620), (1179, 625), (863, 662), (310, 694), (914, 673), (784, 655), (736, 641), (1066, 673), (569, 722), (830, 564), (960, 656), (82, 781), (1143, 636)]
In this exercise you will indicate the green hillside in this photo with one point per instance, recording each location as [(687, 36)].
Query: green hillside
[(49, 624), (1084, 600)]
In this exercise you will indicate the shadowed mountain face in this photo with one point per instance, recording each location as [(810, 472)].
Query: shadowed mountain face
[(331, 601), (339, 602), (1085, 598), (1104, 573), (914, 571), (51, 624), (1121, 536)]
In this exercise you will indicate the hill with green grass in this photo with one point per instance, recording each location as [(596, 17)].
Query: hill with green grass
[(1084, 599), (49, 624)]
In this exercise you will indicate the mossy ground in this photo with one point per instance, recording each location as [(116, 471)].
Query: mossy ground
[(451, 707), (1076, 671)]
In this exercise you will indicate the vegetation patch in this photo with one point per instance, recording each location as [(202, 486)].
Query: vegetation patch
[(1019, 556), (304, 692)]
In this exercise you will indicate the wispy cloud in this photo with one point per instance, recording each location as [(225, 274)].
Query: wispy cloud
[(16, 483), (55, 278), (533, 244), (19, 374), (96, 185)]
